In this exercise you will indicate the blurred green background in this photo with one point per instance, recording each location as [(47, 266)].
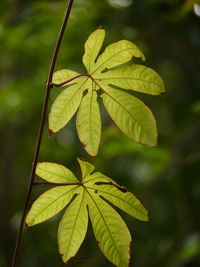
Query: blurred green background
[(165, 178)]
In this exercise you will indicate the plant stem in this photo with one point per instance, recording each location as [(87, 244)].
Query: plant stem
[(67, 81), (57, 184), (41, 128)]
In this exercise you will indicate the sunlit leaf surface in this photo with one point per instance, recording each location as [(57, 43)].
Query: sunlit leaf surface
[(103, 72), (89, 197)]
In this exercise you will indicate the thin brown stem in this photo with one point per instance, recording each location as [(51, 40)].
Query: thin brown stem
[(41, 129), (57, 184), (67, 81)]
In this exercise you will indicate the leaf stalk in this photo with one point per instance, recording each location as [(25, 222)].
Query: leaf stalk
[(57, 184), (67, 81)]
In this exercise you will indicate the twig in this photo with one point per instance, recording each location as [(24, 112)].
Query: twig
[(41, 129)]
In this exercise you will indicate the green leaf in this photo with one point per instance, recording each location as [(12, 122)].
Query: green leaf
[(92, 48), (116, 54), (133, 77), (86, 168), (106, 71), (55, 173), (131, 116), (64, 75), (64, 107), (72, 228), (114, 241), (91, 194), (126, 201), (49, 204), (88, 123)]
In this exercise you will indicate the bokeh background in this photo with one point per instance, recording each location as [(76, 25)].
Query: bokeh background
[(165, 178)]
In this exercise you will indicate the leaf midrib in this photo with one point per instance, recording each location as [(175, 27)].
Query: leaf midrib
[(122, 200), (75, 180), (66, 104), (135, 79), (55, 200), (109, 58), (104, 222), (76, 219)]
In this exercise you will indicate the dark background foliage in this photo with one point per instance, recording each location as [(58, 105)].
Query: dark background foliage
[(165, 178)]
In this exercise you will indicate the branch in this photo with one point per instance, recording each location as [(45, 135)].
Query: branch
[(41, 128)]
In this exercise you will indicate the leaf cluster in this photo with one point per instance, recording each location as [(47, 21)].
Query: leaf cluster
[(106, 75), (90, 196)]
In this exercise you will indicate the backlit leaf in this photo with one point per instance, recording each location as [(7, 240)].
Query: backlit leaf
[(73, 227), (49, 204), (131, 116), (92, 48), (113, 241), (134, 77), (105, 71), (116, 54), (80, 197), (86, 168), (54, 172), (64, 107), (64, 75), (88, 123)]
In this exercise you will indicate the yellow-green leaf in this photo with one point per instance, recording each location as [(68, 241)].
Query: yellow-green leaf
[(55, 173), (116, 54), (49, 204), (104, 72), (64, 107), (96, 177), (110, 231), (92, 48), (64, 75), (73, 227), (131, 116), (88, 123), (126, 201), (86, 168), (94, 194), (133, 77)]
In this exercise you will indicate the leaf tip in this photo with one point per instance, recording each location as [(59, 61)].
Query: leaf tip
[(51, 132), (101, 27), (162, 93), (65, 261), (82, 159)]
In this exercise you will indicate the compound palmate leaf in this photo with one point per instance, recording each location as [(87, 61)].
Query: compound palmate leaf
[(88, 198), (106, 72)]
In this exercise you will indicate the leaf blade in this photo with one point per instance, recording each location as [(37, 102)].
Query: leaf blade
[(65, 106), (72, 228), (116, 54), (49, 204), (63, 75), (56, 173), (114, 240), (92, 48), (86, 168), (131, 115), (126, 201), (134, 77), (88, 123)]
